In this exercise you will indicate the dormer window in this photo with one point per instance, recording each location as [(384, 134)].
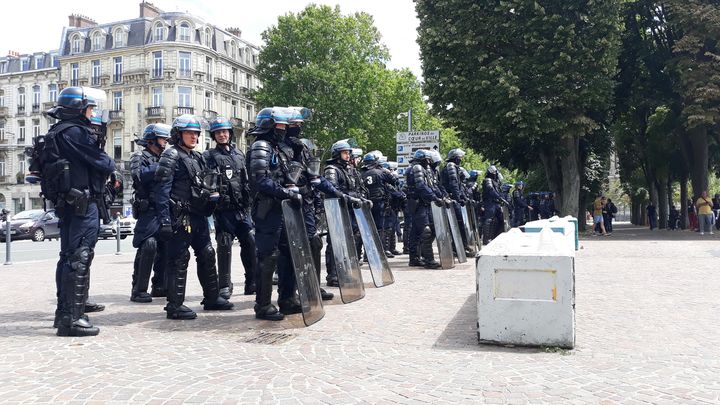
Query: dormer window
[(97, 41), (233, 47), (247, 56), (119, 38), (159, 32), (208, 37), (76, 44), (184, 32)]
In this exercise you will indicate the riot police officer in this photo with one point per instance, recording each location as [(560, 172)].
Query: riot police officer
[(491, 204), (74, 183), (269, 169), (378, 182), (519, 204), (340, 172), (451, 178), (151, 252), (395, 203), (310, 184), (183, 192), (421, 194), (231, 216)]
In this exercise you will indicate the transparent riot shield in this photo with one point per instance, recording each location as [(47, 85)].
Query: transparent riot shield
[(442, 236), (379, 267), (468, 225), (308, 285), (339, 230), (506, 218), (457, 237), (475, 227)]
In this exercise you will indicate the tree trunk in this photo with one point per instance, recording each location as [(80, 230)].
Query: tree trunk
[(699, 161), (662, 205), (570, 165), (669, 191), (553, 174), (683, 202)]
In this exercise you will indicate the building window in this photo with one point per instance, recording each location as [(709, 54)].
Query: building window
[(247, 56), (36, 128), (184, 32), (157, 64), (234, 78), (38, 62), (248, 78), (21, 131), (208, 100), (232, 49), (118, 69), (208, 37), (3, 67), (54, 61), (209, 68), (158, 32), (96, 72), (117, 100), (2, 168), (97, 41), (21, 165), (234, 108), (117, 144), (119, 38), (2, 131), (184, 64), (52, 92), (26, 64), (184, 96), (76, 44), (21, 100), (157, 97), (36, 98), (74, 74), (2, 99), (250, 115)]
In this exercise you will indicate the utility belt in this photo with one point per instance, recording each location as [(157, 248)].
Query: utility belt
[(75, 200), (227, 203), (140, 206)]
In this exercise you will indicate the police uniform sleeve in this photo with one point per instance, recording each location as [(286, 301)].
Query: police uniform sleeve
[(261, 154), (421, 185), (453, 181), (327, 188), (79, 146), (163, 183)]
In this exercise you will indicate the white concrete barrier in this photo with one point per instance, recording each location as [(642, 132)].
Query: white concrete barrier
[(526, 290), (566, 226)]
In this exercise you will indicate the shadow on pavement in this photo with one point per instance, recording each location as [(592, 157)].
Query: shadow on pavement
[(461, 333)]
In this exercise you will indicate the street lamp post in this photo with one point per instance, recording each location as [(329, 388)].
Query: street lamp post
[(409, 117)]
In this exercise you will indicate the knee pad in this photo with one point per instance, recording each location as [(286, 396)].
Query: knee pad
[(248, 239), (224, 239), (181, 261), (80, 259), (206, 254), (149, 246)]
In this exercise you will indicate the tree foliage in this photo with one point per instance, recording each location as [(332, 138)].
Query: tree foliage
[(521, 78)]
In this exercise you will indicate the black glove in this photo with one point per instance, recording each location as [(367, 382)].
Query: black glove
[(369, 203), (440, 203), (296, 200), (166, 232), (352, 201)]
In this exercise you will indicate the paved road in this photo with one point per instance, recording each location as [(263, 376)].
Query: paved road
[(27, 251), (647, 315)]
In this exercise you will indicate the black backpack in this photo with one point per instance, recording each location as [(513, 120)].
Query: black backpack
[(45, 160)]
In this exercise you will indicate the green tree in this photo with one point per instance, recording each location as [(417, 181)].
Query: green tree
[(523, 80)]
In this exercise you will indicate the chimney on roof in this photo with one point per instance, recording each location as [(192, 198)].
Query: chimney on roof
[(149, 10), (80, 21), (234, 31), (13, 54)]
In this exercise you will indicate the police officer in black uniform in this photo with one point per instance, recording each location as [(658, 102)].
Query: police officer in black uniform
[(232, 217), (151, 252), (519, 204), (80, 179), (378, 182), (340, 172), (395, 203), (452, 181), (183, 192), (270, 158), (421, 194), (491, 198)]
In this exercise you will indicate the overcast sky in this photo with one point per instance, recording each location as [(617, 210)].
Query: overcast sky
[(32, 25)]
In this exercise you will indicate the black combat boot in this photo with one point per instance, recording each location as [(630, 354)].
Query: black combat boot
[(207, 274), (224, 263), (263, 294), (144, 260), (392, 243), (177, 269), (75, 285), (290, 306)]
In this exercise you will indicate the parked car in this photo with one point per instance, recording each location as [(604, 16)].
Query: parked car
[(37, 225), (127, 227)]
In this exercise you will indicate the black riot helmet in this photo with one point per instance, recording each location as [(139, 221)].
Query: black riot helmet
[(71, 103), (221, 123), (185, 122), (153, 132)]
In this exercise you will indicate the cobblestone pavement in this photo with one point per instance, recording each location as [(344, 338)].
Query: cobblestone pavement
[(646, 333)]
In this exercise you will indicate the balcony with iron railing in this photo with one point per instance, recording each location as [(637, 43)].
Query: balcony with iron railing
[(20, 110), (156, 73), (4, 113), (36, 108), (155, 112), (185, 73), (178, 111), (117, 78), (95, 81), (117, 115)]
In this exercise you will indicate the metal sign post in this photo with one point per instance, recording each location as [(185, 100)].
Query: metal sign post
[(8, 259), (117, 226)]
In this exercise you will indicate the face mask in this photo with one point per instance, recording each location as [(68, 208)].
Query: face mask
[(294, 132), (280, 133)]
